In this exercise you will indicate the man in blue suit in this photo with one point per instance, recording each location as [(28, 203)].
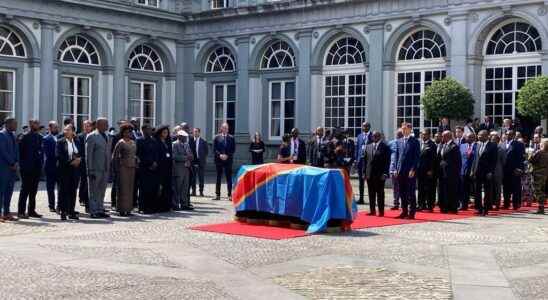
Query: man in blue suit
[(468, 154), (31, 159), (49, 145), (223, 148), (9, 157), (363, 139), (407, 161), (513, 169)]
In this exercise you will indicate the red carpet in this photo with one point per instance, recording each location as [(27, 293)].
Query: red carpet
[(362, 221)]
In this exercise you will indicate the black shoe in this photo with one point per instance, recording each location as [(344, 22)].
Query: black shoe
[(410, 217), (395, 208), (22, 216), (95, 216), (360, 202), (187, 208), (177, 209), (202, 194), (193, 194), (74, 217), (371, 213), (104, 215), (63, 217), (217, 198), (52, 210), (540, 211), (35, 215), (402, 216)]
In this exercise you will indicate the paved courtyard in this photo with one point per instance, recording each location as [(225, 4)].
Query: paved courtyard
[(159, 257)]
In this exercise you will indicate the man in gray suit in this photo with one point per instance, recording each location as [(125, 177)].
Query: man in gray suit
[(182, 162), (98, 157)]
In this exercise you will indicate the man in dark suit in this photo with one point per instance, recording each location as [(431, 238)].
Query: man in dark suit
[(224, 147), (513, 169), (483, 170), (298, 148), (450, 167), (9, 158), (468, 154), (81, 144), (147, 171), (425, 172), (200, 151), (31, 159), (49, 145), (487, 124), (407, 161), (317, 148), (377, 161), (363, 139), (444, 125)]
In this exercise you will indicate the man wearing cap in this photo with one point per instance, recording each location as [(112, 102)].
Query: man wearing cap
[(182, 162)]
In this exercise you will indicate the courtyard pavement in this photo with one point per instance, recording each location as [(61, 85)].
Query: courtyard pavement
[(159, 257)]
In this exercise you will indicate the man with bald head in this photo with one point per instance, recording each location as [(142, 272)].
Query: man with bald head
[(450, 168), (513, 169), (98, 145), (483, 171)]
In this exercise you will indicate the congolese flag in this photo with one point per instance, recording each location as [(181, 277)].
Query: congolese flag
[(314, 195)]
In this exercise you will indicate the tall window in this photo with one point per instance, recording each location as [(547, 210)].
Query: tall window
[(10, 43), (512, 56), (224, 107), (279, 55), (411, 87), (7, 94), (153, 3), (217, 4), (282, 107), (142, 98), (421, 60), (144, 58), (77, 49), (345, 103), (76, 98), (220, 60)]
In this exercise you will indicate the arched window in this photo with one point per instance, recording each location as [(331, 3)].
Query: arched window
[(419, 64), (422, 44), (10, 43), (515, 37), (278, 55), (220, 60), (76, 49), (345, 102), (144, 58), (512, 57), (345, 51)]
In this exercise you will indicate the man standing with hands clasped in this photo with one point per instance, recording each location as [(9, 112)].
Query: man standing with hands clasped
[(298, 148), (9, 158), (224, 147), (407, 162), (377, 160), (482, 173), (98, 145)]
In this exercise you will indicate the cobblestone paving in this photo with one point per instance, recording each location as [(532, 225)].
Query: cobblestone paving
[(30, 279), (364, 283), (53, 259)]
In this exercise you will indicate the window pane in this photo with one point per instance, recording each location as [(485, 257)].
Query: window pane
[(275, 110), (83, 105), (67, 105), (68, 85), (6, 81), (275, 127), (148, 109), (231, 92), (276, 90), (134, 90), (83, 86), (134, 109), (148, 91), (289, 90), (219, 93), (6, 102)]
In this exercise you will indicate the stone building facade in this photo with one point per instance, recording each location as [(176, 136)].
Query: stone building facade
[(264, 66)]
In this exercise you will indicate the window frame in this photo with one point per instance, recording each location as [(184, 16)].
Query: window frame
[(13, 91), (229, 55), (147, 3), (131, 59), (215, 129), (8, 42), (142, 101), (289, 52), (74, 113), (213, 2), (61, 53), (282, 100)]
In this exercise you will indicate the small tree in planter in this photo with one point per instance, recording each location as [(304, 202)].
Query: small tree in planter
[(532, 100), (447, 98)]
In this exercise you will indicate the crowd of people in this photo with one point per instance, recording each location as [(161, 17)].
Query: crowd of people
[(155, 170), (151, 169)]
